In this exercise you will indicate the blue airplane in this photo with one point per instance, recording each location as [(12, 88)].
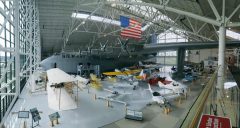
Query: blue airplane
[(189, 77)]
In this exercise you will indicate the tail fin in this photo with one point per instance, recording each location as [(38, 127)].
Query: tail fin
[(150, 89), (93, 77), (141, 73), (160, 84)]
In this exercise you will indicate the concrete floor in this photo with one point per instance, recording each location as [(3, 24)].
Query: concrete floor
[(154, 116), (95, 113)]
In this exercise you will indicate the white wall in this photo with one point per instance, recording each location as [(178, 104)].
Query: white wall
[(203, 55)]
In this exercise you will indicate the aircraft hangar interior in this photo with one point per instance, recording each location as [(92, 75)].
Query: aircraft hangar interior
[(119, 63)]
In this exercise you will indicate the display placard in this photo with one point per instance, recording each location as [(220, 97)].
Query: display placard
[(212, 121)]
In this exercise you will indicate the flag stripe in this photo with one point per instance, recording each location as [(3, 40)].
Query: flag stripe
[(133, 30), (125, 36), (137, 37), (131, 33)]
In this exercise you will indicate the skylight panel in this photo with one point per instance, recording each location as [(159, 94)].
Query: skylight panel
[(95, 18), (233, 34), (98, 19)]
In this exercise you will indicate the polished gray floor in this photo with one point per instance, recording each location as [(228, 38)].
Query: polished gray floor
[(95, 113), (154, 116)]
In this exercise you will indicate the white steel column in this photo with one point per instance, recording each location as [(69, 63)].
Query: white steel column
[(31, 53), (17, 48), (17, 60), (34, 36), (221, 57), (221, 51)]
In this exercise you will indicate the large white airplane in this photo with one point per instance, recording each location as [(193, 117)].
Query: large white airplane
[(157, 97), (174, 86)]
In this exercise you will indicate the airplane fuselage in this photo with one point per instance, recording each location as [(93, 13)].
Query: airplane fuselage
[(69, 64)]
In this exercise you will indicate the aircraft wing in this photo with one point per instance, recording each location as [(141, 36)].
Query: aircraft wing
[(128, 72), (93, 77), (56, 76), (139, 77), (166, 82), (113, 73), (172, 97)]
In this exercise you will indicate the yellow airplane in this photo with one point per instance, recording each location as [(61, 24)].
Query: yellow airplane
[(129, 75), (95, 82), (126, 72)]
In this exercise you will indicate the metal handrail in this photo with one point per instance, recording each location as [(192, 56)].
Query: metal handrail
[(193, 115)]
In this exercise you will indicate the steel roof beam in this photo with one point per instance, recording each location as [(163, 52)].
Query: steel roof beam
[(170, 9), (214, 10), (188, 45), (231, 15)]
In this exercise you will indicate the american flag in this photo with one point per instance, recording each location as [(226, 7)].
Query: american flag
[(132, 28)]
